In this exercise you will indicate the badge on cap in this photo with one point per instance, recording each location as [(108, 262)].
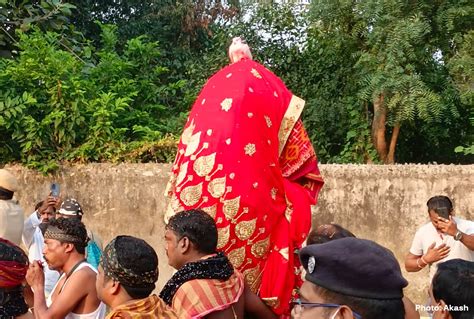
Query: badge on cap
[(311, 264)]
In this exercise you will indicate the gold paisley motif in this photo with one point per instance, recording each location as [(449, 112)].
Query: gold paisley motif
[(223, 235), (252, 277), (183, 170), (204, 164), (193, 144), (231, 207), (217, 187), (226, 104), (187, 133), (237, 256), (170, 186), (260, 248), (245, 229), (191, 194), (211, 210)]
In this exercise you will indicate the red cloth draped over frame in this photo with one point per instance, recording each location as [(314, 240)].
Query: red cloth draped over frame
[(12, 273), (245, 158)]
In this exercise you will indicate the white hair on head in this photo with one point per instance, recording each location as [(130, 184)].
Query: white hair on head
[(239, 50)]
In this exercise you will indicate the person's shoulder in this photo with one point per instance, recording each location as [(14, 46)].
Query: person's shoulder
[(464, 224), (85, 272), (425, 228), (459, 220)]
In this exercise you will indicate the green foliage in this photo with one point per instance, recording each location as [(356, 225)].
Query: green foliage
[(124, 93), (92, 106), (22, 15), (400, 50)]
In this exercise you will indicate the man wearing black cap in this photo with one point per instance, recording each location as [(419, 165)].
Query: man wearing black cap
[(350, 278)]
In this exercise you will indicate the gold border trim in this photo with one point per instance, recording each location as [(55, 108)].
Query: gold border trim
[(292, 114)]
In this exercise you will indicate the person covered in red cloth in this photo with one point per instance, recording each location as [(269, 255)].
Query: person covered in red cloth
[(245, 158), (13, 267)]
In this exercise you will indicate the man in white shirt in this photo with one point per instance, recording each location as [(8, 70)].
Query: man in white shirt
[(34, 241), (445, 237)]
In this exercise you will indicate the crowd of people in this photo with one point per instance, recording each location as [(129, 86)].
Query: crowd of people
[(238, 232)]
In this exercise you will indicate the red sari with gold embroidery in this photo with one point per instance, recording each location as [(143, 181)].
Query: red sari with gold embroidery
[(245, 158)]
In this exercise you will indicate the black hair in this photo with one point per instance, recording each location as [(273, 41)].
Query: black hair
[(198, 227), (453, 283), (138, 256), (316, 237), (73, 227), (367, 308), (38, 205), (441, 205)]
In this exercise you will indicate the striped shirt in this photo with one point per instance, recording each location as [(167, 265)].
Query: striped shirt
[(200, 297), (151, 307)]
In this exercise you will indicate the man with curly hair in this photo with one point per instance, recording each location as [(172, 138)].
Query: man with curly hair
[(74, 296)]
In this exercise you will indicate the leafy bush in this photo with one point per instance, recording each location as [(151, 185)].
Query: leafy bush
[(97, 104)]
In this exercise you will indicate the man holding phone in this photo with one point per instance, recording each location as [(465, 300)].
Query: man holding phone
[(445, 237), (33, 230)]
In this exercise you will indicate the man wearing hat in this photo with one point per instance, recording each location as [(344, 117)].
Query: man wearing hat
[(70, 208), (127, 274), (350, 278), (11, 214)]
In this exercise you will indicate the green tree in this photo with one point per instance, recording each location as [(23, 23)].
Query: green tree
[(399, 51), (22, 15), (96, 105)]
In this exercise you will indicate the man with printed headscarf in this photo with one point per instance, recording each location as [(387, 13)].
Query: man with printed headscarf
[(127, 274), (74, 295)]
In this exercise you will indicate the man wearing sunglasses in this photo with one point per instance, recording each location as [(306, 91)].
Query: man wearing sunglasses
[(350, 278)]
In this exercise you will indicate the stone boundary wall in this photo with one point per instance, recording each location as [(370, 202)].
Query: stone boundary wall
[(378, 202)]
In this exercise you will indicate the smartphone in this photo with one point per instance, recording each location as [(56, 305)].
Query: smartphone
[(54, 190)]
